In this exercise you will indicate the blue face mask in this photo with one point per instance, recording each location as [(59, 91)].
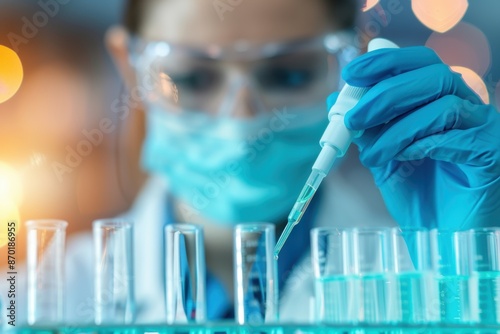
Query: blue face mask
[(232, 170)]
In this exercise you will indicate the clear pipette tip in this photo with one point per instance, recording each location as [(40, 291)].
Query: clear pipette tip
[(282, 239), (299, 208)]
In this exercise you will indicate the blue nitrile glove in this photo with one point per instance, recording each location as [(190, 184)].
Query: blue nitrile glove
[(432, 146)]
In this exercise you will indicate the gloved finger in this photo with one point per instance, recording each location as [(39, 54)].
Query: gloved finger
[(463, 149), (455, 146), (447, 113), (331, 99), (470, 145), (378, 65), (398, 95), (368, 137)]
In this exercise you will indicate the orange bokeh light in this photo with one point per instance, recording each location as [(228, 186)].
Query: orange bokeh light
[(10, 199), (474, 81), (11, 187), (464, 45), (439, 15), (369, 4), (11, 73)]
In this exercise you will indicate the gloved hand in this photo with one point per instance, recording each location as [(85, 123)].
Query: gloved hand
[(432, 146)]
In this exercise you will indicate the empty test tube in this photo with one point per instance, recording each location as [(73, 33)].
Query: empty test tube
[(255, 274), (185, 274), (45, 266), (114, 284)]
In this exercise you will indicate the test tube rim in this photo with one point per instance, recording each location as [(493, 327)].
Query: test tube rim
[(46, 224), (449, 230), (435, 233), (485, 230), (409, 229), (370, 229), (254, 227), (322, 230), (111, 222), (184, 227)]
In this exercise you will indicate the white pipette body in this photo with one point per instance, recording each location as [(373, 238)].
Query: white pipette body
[(335, 141), (337, 137)]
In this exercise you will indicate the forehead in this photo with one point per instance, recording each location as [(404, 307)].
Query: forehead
[(223, 22)]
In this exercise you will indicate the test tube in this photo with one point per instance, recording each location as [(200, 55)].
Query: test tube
[(417, 289), (185, 274), (335, 284), (377, 283), (452, 262), (45, 266), (114, 284), (485, 277), (255, 274)]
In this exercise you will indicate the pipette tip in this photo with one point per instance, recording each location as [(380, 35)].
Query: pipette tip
[(283, 237), (278, 247)]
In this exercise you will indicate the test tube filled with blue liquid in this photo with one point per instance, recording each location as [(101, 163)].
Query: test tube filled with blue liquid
[(185, 274), (377, 283), (416, 289), (336, 299), (452, 257), (485, 274), (255, 274)]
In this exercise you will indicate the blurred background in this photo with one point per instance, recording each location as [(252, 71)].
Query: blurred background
[(65, 151)]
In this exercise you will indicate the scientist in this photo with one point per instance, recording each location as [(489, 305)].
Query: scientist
[(234, 101), (233, 95)]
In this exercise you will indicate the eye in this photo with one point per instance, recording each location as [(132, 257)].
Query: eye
[(284, 78), (196, 81)]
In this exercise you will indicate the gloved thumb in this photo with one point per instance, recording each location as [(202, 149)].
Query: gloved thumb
[(330, 100)]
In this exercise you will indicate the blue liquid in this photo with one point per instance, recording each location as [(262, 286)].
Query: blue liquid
[(487, 286), (417, 293), (295, 216), (301, 204), (336, 299), (379, 299), (454, 299)]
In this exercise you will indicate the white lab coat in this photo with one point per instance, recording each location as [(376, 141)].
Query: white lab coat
[(349, 198)]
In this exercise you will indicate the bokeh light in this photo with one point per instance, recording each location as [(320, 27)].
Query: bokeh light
[(474, 81), (10, 184), (464, 45), (10, 198), (11, 73), (369, 4), (439, 15)]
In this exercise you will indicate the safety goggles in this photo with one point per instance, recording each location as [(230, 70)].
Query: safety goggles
[(219, 80)]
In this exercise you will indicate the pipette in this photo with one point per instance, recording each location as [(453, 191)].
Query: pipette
[(334, 142)]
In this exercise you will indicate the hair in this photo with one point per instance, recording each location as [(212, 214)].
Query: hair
[(343, 12)]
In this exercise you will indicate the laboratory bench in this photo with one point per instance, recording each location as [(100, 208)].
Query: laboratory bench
[(231, 328)]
